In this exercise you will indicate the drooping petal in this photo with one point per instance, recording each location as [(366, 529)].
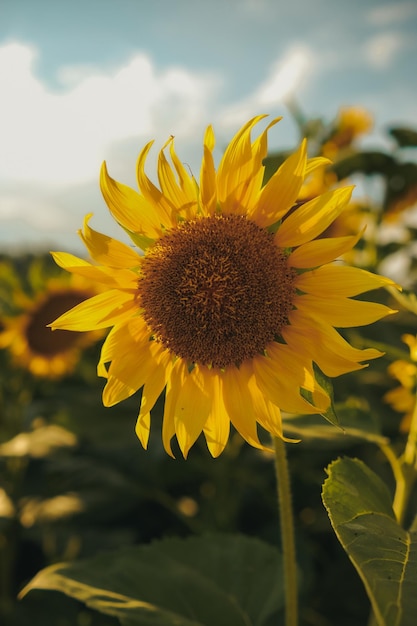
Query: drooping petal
[(280, 378), (192, 409), (339, 280), (175, 381), (217, 426), (129, 373), (239, 404), (131, 210), (333, 354), (106, 250), (267, 414), (282, 189), (152, 389), (312, 218), (158, 202), (121, 340)]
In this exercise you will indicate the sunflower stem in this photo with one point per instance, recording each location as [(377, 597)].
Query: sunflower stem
[(287, 533)]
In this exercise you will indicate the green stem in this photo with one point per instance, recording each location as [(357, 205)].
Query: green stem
[(404, 470), (409, 467), (287, 533)]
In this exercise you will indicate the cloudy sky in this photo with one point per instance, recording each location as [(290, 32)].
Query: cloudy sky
[(92, 80)]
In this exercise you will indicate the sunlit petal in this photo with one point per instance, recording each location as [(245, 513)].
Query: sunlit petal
[(340, 280), (312, 218), (282, 189)]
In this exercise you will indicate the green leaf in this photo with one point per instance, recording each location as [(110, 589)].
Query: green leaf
[(401, 185), (217, 579), (405, 137), (384, 554), (364, 162), (353, 423)]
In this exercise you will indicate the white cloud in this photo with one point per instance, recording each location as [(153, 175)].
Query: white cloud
[(395, 12), (284, 77), (381, 50), (62, 136)]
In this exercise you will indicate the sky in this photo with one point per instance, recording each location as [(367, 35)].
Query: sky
[(93, 80)]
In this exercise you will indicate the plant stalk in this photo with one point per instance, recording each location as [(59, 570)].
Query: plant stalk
[(287, 533)]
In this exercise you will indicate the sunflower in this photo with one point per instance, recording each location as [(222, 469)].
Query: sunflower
[(27, 337), (230, 302), (350, 123), (403, 398)]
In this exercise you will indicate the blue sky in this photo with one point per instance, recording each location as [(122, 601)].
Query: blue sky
[(89, 80)]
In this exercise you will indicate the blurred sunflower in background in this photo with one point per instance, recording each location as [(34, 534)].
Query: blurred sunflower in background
[(30, 307), (231, 300), (403, 398), (350, 123)]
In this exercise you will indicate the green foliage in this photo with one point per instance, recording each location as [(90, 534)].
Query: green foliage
[(384, 554), (405, 137), (216, 579)]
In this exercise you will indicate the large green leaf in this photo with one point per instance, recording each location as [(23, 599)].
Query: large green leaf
[(217, 579), (384, 554)]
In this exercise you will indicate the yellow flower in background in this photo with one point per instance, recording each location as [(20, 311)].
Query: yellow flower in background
[(403, 398), (27, 337), (349, 124), (231, 297)]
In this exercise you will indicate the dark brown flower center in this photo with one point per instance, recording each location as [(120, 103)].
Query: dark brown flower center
[(216, 291), (41, 339)]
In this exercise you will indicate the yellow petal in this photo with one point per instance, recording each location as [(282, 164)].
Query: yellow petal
[(342, 312), (259, 152), (121, 339), (106, 250), (315, 163), (333, 354), (267, 414), (192, 409), (175, 381), (187, 184), (130, 372), (281, 377), (105, 275), (152, 389), (239, 405), (143, 429), (101, 311), (129, 208), (217, 426), (182, 196), (282, 189), (237, 170), (320, 251), (208, 191), (339, 280), (312, 218), (158, 202)]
